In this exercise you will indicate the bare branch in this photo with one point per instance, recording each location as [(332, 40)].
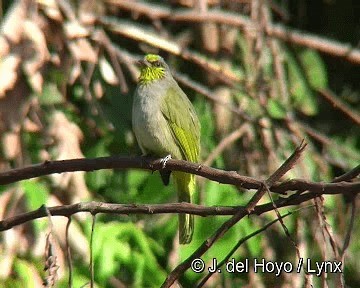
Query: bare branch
[(297, 37), (68, 253), (336, 103), (153, 164)]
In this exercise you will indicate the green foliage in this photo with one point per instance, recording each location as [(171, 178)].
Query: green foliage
[(352, 150), (303, 97), (133, 253), (314, 69), (36, 194), (99, 179), (204, 111), (24, 271), (50, 95), (276, 109)]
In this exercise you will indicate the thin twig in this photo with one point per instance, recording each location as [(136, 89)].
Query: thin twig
[(227, 141), (139, 33), (92, 282), (104, 40), (338, 104), (125, 209), (350, 228), (68, 253), (286, 230), (238, 244), (353, 173)]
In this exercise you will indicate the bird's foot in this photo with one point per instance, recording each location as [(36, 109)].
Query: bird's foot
[(164, 160)]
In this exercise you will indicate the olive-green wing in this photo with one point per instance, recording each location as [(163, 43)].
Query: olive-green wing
[(183, 121)]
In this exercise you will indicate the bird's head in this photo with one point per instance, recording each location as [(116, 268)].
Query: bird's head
[(152, 68)]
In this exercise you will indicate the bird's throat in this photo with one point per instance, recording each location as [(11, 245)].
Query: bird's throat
[(150, 74)]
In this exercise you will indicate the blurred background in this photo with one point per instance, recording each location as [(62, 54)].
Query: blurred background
[(262, 76)]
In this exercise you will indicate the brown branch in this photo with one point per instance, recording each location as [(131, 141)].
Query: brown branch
[(221, 176), (325, 140), (114, 162), (348, 175), (140, 33), (338, 104), (150, 10), (294, 36), (319, 43), (349, 231), (103, 40), (149, 209), (319, 188), (125, 209)]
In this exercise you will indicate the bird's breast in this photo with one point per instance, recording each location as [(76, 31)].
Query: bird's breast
[(150, 126)]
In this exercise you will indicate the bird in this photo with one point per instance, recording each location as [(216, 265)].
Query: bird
[(166, 125)]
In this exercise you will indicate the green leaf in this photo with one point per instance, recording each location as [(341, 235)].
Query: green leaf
[(25, 271), (204, 112), (50, 94), (314, 68), (135, 178), (303, 97), (100, 178), (36, 193), (275, 109), (249, 105), (117, 246), (109, 248)]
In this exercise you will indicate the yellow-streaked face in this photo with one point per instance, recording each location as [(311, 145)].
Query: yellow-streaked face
[(152, 68)]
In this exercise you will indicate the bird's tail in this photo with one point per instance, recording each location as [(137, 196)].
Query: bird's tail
[(185, 185)]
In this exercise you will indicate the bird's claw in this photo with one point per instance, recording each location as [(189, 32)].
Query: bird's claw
[(164, 160)]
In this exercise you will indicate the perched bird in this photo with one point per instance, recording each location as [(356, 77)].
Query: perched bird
[(165, 123)]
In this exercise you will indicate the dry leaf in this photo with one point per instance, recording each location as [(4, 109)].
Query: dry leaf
[(34, 33), (74, 30), (13, 24), (51, 9), (8, 73), (67, 137), (31, 126), (36, 81), (107, 72), (74, 73), (98, 89), (11, 145), (10, 244), (32, 65), (51, 263), (82, 50), (4, 47)]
